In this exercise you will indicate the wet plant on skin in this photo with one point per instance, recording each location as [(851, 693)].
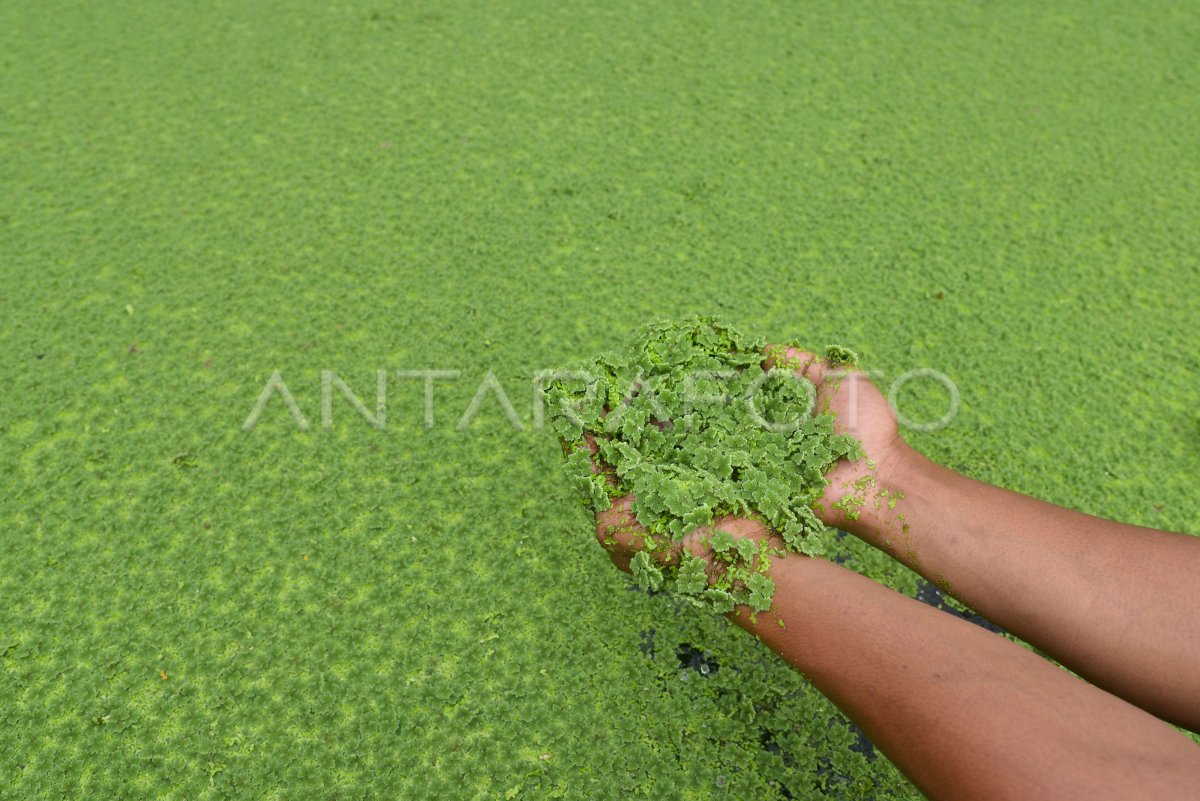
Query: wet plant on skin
[(865, 491), (687, 422)]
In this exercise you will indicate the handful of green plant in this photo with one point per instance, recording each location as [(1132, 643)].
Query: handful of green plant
[(688, 422)]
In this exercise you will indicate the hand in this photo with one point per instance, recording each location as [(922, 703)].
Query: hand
[(861, 411), (619, 532)]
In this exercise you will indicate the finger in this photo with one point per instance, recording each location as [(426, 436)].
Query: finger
[(619, 532), (593, 449), (598, 465), (805, 363), (617, 527)]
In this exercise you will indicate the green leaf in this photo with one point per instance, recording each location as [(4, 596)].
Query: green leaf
[(836, 356), (722, 601), (747, 549), (721, 541), (692, 578), (645, 572), (762, 589)]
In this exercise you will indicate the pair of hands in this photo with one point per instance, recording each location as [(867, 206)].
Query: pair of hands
[(859, 409)]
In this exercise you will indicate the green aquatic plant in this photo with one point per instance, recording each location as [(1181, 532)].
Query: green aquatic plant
[(687, 421)]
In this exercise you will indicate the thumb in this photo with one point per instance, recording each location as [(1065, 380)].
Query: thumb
[(805, 363)]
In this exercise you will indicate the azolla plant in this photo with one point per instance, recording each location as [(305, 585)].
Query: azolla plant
[(687, 421)]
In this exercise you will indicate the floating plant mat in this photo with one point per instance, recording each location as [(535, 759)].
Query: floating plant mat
[(686, 420)]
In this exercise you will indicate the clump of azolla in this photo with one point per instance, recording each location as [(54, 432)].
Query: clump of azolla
[(687, 421), (837, 356)]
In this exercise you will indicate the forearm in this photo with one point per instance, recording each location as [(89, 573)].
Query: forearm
[(962, 712), (1116, 603)]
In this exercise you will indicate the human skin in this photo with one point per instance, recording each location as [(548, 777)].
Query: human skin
[(962, 712), (1118, 604)]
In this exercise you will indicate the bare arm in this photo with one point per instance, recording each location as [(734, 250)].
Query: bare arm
[(965, 714), (1116, 603)]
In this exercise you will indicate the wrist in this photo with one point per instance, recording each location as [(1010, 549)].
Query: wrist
[(870, 497)]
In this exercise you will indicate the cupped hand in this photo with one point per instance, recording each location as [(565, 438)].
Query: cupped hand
[(861, 411), (619, 532)]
